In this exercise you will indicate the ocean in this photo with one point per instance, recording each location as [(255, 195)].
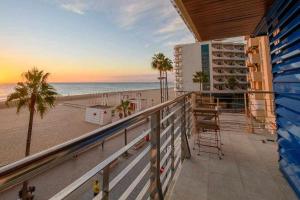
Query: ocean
[(66, 89)]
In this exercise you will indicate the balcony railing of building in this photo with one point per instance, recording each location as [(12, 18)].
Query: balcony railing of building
[(257, 106), (223, 48), (230, 72), (225, 64), (149, 161), (145, 172), (177, 52), (222, 57)]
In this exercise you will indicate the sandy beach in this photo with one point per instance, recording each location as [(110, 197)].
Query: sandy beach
[(66, 121)]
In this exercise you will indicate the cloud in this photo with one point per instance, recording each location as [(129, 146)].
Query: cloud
[(133, 11), (174, 25), (72, 8), (75, 6), (156, 21), (188, 38)]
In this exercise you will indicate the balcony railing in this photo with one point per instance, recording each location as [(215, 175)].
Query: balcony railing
[(227, 58), (163, 146), (144, 173), (226, 49), (258, 107)]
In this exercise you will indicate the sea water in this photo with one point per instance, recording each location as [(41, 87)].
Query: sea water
[(66, 89)]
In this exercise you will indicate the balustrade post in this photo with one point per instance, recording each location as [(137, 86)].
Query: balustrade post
[(188, 118), (185, 153), (248, 114), (125, 141), (105, 185), (155, 184), (245, 105), (172, 119)]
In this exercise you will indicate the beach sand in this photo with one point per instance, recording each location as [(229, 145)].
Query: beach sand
[(59, 125)]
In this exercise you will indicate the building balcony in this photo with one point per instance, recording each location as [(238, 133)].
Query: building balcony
[(234, 58), (177, 52), (228, 66), (224, 48), (178, 66), (242, 81), (234, 66), (178, 58), (239, 48), (217, 46), (219, 73), (178, 75), (239, 58), (178, 80), (217, 81)]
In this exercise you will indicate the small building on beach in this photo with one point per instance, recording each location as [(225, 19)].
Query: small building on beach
[(99, 114), (138, 104)]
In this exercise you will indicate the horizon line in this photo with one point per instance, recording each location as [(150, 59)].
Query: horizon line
[(93, 82)]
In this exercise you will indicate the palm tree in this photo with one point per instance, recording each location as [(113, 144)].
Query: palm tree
[(200, 77), (38, 96), (158, 62), (124, 109), (167, 67), (231, 83)]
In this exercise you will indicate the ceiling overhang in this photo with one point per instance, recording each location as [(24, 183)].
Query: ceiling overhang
[(217, 19)]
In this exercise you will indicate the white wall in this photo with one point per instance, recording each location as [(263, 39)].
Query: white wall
[(191, 62)]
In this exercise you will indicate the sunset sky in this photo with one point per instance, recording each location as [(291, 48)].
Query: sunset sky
[(87, 40)]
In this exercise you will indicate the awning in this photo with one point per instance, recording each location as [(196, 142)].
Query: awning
[(216, 19)]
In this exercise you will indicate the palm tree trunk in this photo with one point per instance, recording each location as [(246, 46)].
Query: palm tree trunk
[(124, 111), (167, 88), (161, 91), (29, 132), (28, 144)]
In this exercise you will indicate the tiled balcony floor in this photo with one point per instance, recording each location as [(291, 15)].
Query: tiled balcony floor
[(248, 171)]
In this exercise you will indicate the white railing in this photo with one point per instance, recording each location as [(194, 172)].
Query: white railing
[(149, 169)]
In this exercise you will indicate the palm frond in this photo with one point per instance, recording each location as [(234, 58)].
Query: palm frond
[(34, 90)]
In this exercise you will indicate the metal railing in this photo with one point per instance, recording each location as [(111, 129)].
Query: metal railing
[(163, 146), (257, 106)]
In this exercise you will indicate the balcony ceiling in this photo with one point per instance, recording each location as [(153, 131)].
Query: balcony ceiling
[(216, 19)]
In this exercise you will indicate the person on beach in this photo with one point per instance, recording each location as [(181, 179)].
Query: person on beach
[(96, 187)]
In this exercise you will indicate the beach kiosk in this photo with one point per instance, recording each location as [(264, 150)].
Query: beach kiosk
[(99, 114), (138, 104)]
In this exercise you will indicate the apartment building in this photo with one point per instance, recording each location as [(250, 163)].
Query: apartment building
[(260, 79), (220, 61)]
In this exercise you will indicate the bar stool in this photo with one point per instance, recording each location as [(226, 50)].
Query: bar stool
[(207, 130)]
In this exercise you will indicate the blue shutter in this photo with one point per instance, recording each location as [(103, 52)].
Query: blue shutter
[(283, 21)]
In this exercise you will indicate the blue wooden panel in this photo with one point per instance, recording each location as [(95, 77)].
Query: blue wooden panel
[(284, 34)]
